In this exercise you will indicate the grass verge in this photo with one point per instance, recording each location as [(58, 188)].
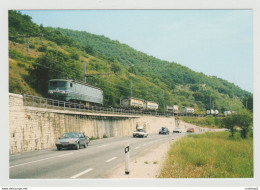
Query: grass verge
[(209, 155)]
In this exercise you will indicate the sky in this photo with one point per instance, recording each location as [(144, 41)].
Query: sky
[(214, 42)]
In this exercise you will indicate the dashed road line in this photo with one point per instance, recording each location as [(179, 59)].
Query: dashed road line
[(40, 160), (102, 146), (81, 173), (15, 155), (137, 147), (111, 159)]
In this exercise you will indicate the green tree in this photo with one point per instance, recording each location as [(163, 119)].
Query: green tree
[(248, 102), (116, 67), (229, 123), (132, 69), (244, 120), (194, 87), (89, 49), (198, 96), (74, 56)]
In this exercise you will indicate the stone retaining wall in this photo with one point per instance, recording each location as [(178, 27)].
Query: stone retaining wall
[(32, 128)]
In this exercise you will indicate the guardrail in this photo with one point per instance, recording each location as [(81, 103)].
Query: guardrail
[(40, 102)]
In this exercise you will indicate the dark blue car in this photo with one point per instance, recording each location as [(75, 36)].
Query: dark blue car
[(164, 131)]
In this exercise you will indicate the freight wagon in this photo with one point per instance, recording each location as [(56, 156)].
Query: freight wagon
[(148, 105), (187, 110), (172, 109), (75, 91), (229, 112), (132, 103), (210, 112)]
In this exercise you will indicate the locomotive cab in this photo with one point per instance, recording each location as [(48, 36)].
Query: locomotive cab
[(58, 89), (75, 91)]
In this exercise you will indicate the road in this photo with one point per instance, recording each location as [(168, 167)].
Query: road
[(94, 161)]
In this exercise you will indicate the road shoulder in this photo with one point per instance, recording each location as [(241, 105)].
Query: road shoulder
[(145, 165)]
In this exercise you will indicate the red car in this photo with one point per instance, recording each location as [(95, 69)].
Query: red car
[(190, 130)]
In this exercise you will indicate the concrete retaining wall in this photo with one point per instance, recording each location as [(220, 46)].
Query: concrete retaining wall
[(32, 128)]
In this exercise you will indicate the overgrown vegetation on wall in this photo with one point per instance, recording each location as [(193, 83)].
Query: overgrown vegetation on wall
[(208, 121)]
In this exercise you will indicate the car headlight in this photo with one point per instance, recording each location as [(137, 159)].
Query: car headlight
[(58, 142)]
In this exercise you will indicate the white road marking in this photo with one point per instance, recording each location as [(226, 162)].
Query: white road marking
[(102, 146), (40, 160), (137, 147), (82, 173), (15, 155), (111, 159)]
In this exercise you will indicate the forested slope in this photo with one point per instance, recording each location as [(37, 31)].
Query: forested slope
[(61, 53)]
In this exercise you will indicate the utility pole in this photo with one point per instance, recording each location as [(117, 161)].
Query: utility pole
[(213, 109), (84, 71), (27, 43), (131, 88), (163, 103), (27, 40), (231, 105), (210, 103)]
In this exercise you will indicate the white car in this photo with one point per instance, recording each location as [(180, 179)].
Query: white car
[(140, 133), (177, 130)]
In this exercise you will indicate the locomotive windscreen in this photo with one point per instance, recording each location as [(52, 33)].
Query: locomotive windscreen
[(57, 84)]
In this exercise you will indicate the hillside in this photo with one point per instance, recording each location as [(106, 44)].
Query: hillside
[(61, 53)]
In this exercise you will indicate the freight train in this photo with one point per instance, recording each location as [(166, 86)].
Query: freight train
[(83, 93)]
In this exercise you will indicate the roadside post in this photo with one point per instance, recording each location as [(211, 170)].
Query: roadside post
[(127, 159)]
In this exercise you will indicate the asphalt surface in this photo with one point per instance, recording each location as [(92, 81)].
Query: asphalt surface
[(94, 161)]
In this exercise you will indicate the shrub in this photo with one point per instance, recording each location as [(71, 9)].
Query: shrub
[(93, 138), (244, 120), (74, 56), (21, 65), (32, 46), (210, 120), (42, 48), (217, 121)]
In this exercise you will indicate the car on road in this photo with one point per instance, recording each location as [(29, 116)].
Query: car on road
[(140, 133), (164, 131), (190, 130), (72, 140), (177, 130)]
